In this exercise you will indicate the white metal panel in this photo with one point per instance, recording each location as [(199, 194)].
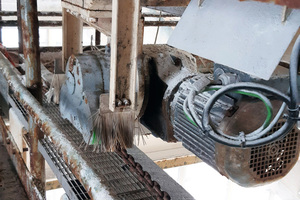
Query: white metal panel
[(247, 36)]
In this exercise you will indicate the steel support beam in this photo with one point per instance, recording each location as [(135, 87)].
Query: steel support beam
[(29, 21)]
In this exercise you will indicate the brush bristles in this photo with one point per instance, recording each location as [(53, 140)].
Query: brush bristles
[(112, 128), (55, 86)]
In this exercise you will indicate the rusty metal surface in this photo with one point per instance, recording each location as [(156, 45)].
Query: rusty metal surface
[(18, 162), (104, 175), (18, 13), (118, 175), (68, 181), (288, 3), (30, 28), (143, 176), (262, 164)]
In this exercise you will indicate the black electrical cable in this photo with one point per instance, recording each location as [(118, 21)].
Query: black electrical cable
[(291, 102)]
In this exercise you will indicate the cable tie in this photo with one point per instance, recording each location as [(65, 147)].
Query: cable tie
[(242, 139), (293, 109), (285, 116)]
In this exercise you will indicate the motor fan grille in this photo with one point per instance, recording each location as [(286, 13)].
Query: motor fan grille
[(272, 160)]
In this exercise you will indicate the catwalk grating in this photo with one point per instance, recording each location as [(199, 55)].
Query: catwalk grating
[(114, 173)]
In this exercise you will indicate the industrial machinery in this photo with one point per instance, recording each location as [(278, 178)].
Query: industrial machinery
[(235, 113), (216, 116)]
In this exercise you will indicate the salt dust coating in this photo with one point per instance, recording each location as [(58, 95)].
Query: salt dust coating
[(247, 36)]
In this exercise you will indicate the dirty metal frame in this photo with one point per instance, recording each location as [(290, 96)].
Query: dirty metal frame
[(19, 164), (78, 165), (30, 35)]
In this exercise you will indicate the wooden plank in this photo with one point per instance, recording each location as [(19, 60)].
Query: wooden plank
[(103, 25), (107, 4), (86, 12), (177, 162), (72, 36)]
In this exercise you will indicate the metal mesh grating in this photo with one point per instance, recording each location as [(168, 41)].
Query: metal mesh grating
[(19, 106), (114, 173), (269, 161), (72, 182)]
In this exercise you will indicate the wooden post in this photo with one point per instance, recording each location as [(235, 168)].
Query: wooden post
[(72, 36), (126, 48)]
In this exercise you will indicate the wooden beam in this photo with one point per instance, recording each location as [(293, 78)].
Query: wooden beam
[(72, 36), (126, 50), (288, 3), (102, 5), (86, 12)]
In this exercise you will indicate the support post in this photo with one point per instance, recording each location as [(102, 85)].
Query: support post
[(30, 28), (126, 43), (19, 27), (72, 36), (98, 38)]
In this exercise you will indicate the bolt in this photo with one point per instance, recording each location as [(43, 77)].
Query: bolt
[(126, 102), (118, 102), (7, 140)]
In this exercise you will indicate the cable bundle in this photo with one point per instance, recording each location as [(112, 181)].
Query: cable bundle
[(254, 90)]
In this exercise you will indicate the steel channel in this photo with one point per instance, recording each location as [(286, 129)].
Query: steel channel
[(79, 166), (17, 160)]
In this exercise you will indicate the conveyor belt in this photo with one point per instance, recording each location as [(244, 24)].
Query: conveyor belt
[(114, 172)]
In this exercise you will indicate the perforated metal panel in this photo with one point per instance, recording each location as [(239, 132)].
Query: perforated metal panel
[(273, 160)]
